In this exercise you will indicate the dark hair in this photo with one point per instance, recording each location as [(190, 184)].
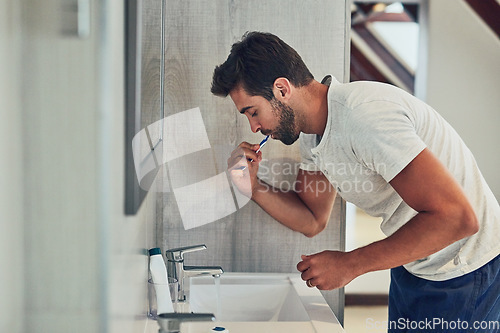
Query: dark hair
[(256, 62)]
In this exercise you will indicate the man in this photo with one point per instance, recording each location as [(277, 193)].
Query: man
[(391, 155)]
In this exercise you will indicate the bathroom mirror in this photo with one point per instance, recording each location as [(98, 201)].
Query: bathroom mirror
[(144, 72)]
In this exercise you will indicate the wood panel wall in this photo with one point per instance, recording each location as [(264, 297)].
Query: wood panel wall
[(199, 35)]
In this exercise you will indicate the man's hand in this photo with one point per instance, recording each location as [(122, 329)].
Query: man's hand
[(243, 165), (327, 270)]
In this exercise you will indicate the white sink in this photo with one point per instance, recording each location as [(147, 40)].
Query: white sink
[(244, 298), (258, 302)]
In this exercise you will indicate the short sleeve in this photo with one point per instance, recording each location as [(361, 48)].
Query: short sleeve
[(383, 137), (307, 143)]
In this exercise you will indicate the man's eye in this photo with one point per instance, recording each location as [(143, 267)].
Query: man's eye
[(254, 114)]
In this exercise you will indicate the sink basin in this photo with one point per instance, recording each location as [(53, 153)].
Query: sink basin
[(240, 298), (258, 302)]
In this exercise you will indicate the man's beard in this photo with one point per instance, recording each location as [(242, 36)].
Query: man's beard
[(286, 131)]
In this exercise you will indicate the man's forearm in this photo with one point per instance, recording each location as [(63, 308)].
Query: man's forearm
[(287, 208), (422, 236)]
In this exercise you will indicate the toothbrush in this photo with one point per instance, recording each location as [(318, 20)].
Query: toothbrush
[(261, 144)]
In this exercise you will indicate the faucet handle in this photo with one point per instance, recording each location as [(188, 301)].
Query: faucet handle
[(177, 254)]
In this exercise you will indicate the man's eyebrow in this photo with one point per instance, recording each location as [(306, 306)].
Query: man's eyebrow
[(242, 111)]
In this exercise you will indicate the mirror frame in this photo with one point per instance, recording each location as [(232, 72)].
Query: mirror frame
[(134, 117)]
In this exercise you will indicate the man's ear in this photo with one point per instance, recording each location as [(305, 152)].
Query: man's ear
[(282, 89)]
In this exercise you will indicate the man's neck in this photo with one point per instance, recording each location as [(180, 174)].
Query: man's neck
[(314, 106)]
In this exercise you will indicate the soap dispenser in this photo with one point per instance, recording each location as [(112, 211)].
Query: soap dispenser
[(160, 281)]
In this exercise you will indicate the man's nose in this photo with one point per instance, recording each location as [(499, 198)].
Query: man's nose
[(254, 125)]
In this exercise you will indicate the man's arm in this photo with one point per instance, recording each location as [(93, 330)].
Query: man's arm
[(444, 217), (306, 208)]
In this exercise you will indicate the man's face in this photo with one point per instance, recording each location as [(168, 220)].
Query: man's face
[(270, 118)]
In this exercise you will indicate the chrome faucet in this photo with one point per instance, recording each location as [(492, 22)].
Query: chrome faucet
[(177, 270)]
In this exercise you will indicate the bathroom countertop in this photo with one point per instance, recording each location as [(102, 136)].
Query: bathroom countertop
[(252, 327)]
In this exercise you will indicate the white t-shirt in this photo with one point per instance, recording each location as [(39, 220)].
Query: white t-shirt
[(373, 132)]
